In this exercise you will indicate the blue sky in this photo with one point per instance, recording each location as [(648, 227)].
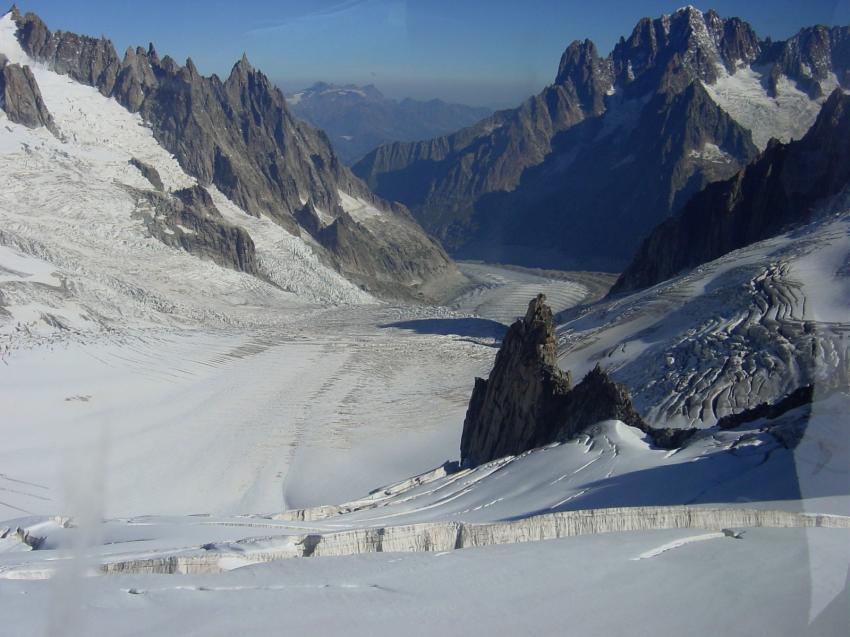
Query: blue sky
[(493, 52)]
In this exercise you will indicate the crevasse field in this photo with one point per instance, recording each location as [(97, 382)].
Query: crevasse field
[(185, 449)]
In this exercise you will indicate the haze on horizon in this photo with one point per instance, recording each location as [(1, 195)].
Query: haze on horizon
[(492, 53)]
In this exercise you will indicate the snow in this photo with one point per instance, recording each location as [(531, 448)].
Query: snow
[(24, 268), (761, 585), (82, 224), (712, 153), (9, 44), (679, 543), (359, 210), (727, 335), (744, 96), (502, 294)]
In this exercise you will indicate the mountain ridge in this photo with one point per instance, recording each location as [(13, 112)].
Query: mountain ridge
[(239, 135), (360, 118)]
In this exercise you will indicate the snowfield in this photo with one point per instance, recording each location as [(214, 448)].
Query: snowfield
[(787, 116)]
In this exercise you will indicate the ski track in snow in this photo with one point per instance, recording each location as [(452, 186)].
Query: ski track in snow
[(675, 544)]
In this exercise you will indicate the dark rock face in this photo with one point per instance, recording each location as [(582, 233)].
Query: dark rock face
[(88, 60), (528, 401), (780, 189), (358, 119), (528, 184), (395, 252), (799, 397), (523, 394), (189, 220), (21, 98), (148, 172), (238, 135)]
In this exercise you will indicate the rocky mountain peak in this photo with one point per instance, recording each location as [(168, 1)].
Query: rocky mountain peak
[(687, 42), (191, 68), (586, 73), (539, 327), (243, 66), (816, 58)]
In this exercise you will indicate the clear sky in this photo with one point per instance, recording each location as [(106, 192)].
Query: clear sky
[(481, 52)]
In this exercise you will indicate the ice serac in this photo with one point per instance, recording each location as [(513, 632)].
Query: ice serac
[(21, 98), (239, 135), (783, 187), (528, 401), (633, 134)]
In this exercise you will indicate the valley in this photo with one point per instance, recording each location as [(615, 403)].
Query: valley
[(244, 390)]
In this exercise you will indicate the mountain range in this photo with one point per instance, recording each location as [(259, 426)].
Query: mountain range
[(239, 136), (358, 119), (579, 174)]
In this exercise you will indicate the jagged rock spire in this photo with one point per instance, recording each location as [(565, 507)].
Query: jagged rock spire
[(528, 401), (507, 410), (586, 73)]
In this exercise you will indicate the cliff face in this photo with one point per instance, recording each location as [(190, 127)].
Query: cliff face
[(781, 188), (239, 135), (21, 98)]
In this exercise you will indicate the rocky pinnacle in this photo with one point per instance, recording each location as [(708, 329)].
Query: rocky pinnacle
[(528, 401)]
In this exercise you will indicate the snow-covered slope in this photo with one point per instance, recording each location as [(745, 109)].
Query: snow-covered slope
[(744, 329), (66, 212), (787, 115)]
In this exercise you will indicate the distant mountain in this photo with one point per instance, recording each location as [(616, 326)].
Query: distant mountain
[(579, 174), (239, 136), (783, 187), (360, 118)]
